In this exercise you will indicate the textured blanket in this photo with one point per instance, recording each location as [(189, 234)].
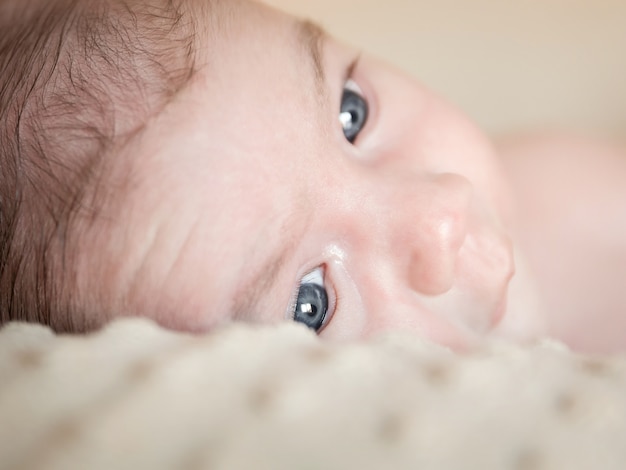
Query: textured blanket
[(137, 397)]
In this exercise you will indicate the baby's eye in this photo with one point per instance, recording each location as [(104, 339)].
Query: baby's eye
[(312, 306), (354, 111)]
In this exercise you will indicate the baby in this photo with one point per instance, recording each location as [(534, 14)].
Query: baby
[(207, 161)]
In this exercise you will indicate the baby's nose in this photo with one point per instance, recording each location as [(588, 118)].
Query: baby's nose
[(434, 230)]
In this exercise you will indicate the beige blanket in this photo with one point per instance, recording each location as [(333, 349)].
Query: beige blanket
[(136, 397)]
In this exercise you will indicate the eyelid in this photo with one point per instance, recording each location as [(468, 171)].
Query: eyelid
[(314, 277), (351, 85)]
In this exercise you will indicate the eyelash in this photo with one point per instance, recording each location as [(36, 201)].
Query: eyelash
[(351, 68)]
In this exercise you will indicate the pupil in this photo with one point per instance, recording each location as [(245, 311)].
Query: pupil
[(311, 310), (354, 117)]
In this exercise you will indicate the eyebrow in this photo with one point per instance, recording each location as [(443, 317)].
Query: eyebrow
[(247, 298), (310, 40), (245, 306)]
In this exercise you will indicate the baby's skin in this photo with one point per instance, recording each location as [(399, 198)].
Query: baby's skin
[(571, 223), (295, 178), (293, 154)]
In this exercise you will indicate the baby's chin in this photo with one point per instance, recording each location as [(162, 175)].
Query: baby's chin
[(525, 319)]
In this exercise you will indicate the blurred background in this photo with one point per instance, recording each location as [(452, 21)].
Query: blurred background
[(512, 65)]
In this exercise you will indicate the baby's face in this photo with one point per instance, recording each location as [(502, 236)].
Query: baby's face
[(297, 179)]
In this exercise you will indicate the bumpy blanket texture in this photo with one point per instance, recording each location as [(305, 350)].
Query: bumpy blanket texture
[(137, 397)]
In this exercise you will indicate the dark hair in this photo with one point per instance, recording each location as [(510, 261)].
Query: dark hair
[(77, 79)]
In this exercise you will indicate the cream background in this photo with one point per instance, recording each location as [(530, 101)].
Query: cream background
[(510, 64)]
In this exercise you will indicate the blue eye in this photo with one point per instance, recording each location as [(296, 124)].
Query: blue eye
[(354, 111), (311, 308)]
